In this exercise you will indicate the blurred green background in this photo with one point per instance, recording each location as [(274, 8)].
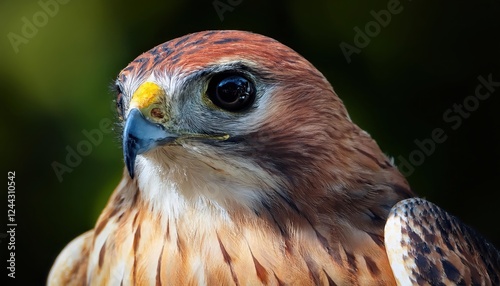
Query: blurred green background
[(425, 60)]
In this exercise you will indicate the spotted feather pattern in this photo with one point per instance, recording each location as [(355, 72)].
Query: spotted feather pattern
[(297, 195), (428, 246)]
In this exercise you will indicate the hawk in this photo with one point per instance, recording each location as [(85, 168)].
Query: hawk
[(244, 168)]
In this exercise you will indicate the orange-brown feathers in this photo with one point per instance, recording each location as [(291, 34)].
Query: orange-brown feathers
[(298, 194)]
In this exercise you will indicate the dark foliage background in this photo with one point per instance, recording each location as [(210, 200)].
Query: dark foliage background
[(398, 87)]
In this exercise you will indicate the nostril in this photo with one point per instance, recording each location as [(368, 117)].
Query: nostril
[(157, 113)]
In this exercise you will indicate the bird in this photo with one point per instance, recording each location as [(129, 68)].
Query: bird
[(243, 167)]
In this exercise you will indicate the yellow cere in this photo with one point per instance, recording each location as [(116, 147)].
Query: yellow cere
[(147, 94)]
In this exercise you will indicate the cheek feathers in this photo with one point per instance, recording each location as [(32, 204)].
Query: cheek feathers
[(299, 125)]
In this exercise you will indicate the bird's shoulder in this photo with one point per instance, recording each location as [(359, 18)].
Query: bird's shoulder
[(428, 246), (70, 267)]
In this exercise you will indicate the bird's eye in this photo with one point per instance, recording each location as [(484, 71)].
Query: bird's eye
[(119, 102), (232, 92)]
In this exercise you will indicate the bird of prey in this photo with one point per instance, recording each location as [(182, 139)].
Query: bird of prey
[(244, 168)]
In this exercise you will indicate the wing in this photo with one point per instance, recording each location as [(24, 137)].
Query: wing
[(428, 246), (70, 267)]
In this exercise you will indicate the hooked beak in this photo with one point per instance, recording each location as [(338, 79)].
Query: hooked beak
[(145, 125), (141, 135), (143, 129)]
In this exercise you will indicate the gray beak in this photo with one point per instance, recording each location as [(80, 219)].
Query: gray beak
[(141, 135)]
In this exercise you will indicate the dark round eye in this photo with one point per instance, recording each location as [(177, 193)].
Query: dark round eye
[(119, 102), (232, 92)]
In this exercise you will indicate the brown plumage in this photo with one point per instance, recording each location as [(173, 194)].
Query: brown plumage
[(431, 247), (243, 168)]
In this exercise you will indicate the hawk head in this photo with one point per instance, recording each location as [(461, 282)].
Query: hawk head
[(236, 118), (244, 168)]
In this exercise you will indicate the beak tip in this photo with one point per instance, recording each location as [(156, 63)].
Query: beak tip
[(139, 136), (131, 173), (130, 169), (129, 156)]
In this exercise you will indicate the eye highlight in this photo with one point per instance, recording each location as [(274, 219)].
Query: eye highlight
[(231, 91)]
